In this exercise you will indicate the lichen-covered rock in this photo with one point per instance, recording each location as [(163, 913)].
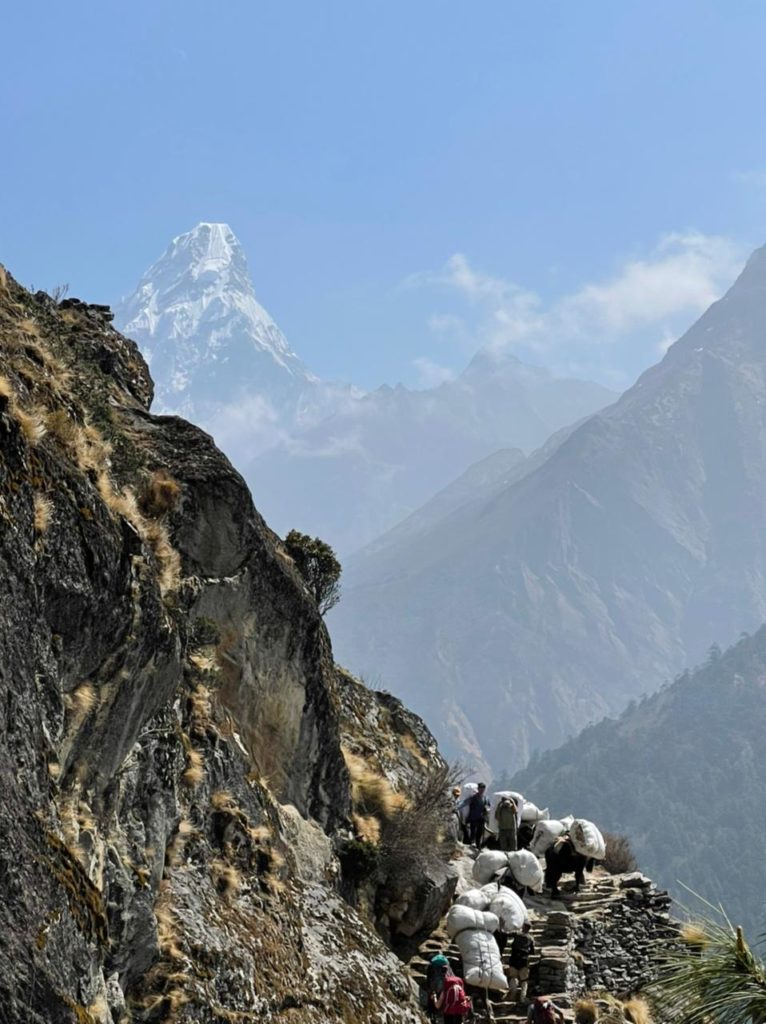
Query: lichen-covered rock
[(175, 782)]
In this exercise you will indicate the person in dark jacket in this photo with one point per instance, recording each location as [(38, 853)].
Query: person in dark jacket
[(517, 971), (477, 812)]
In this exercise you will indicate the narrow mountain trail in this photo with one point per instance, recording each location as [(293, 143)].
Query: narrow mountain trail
[(591, 939)]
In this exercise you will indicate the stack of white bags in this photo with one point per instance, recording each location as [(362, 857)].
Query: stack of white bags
[(524, 866), (472, 931), (479, 912)]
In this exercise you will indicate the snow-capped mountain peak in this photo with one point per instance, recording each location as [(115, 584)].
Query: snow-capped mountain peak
[(200, 326), (208, 249)]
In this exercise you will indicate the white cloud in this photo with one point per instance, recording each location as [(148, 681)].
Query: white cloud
[(446, 323), (430, 374), (646, 298), (253, 423)]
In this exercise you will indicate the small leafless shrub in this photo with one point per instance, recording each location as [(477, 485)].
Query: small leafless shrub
[(619, 855), (415, 839)]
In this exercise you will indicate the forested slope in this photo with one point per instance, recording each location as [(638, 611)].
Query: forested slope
[(683, 774)]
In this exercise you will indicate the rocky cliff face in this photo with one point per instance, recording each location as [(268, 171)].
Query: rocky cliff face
[(174, 737)]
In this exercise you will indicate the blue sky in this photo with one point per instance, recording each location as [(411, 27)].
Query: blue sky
[(572, 182)]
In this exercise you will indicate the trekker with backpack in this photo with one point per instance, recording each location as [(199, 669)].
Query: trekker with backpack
[(453, 1002), (437, 972), (542, 1010), (517, 972)]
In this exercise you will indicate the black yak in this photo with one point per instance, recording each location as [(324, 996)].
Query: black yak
[(561, 859)]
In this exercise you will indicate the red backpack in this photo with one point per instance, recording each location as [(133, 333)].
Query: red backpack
[(455, 999), (544, 1012)]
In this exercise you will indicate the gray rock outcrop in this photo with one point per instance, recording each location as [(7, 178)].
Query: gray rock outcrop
[(175, 783)]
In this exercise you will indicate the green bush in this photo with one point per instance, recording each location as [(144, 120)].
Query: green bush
[(317, 564), (358, 859)]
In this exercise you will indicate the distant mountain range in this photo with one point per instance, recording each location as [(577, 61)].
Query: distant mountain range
[(683, 775), (321, 456), (595, 572)]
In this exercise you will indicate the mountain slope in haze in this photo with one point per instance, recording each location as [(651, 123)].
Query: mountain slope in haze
[(683, 774), (319, 455), (379, 458), (472, 489), (599, 575)]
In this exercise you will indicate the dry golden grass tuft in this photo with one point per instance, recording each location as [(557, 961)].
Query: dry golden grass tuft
[(226, 878), (694, 934), (6, 389), (411, 745), (195, 770), (637, 1011), (222, 800), (167, 925), (175, 849), (43, 513), (31, 423), (204, 662), (371, 792), (168, 559), (585, 1011), (62, 428), (272, 880), (199, 702), (100, 1009), (367, 827), (260, 834), (154, 533), (160, 495), (81, 700)]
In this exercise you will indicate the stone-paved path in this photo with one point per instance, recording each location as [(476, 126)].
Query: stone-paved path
[(553, 928)]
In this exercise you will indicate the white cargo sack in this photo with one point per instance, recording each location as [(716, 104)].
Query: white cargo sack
[(490, 890), (487, 864), (510, 909), (476, 899), (517, 798), (533, 813), (526, 869), (545, 835), (482, 965), (469, 789), (587, 839), (460, 918), (568, 821)]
